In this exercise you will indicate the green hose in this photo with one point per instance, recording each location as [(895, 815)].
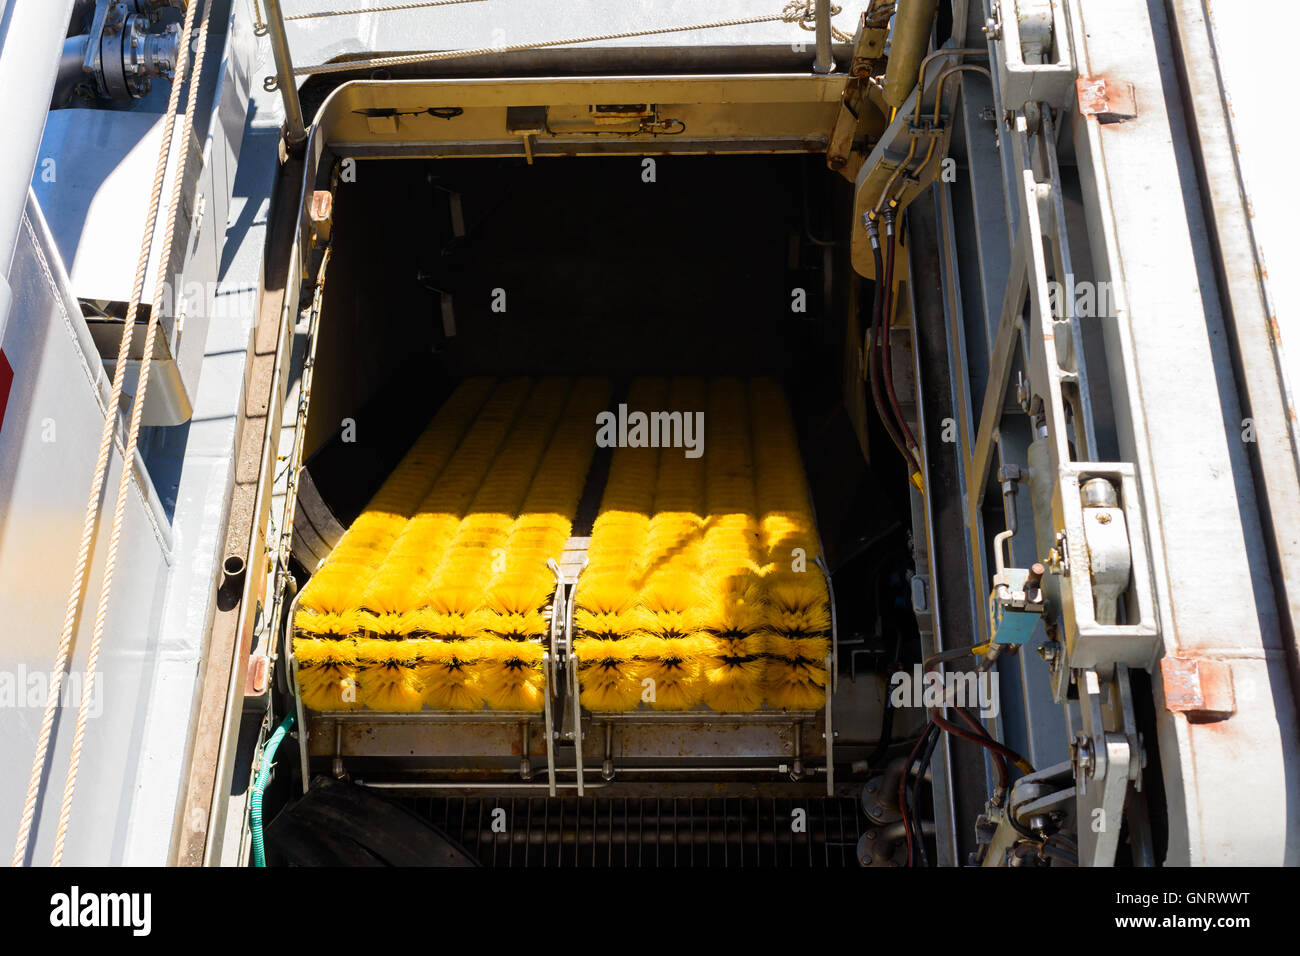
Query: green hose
[(263, 778)]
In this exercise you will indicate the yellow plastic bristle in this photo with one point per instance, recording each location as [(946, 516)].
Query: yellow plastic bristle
[(341, 583), (389, 626), (510, 674), (795, 684), (386, 676), (666, 624), (755, 645), (606, 593), (313, 624), (533, 624), (734, 687), (798, 648), (521, 594), (327, 674), (674, 667), (724, 616), (446, 672), (608, 674), (734, 673), (462, 599), (607, 625), (796, 623), (797, 592), (671, 591), (452, 627)]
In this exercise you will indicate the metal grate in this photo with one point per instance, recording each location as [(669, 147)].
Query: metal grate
[(648, 831)]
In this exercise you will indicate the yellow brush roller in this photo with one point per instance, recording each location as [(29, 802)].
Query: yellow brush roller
[(386, 674), (401, 579), (796, 672), (608, 675), (337, 585), (734, 674), (327, 673), (510, 674), (675, 667), (446, 673), (312, 624)]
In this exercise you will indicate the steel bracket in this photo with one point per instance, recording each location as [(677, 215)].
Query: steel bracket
[(1032, 51)]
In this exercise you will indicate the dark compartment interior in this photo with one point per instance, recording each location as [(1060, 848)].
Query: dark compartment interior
[(605, 274)]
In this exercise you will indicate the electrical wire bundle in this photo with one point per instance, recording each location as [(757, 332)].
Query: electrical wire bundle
[(797, 603), (606, 617), (1002, 757), (880, 369)]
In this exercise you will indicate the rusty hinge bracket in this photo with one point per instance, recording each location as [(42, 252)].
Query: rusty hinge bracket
[(1111, 101)]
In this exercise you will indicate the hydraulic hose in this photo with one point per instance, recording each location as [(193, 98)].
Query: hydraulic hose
[(877, 353), (872, 339), (913, 452), (259, 787)]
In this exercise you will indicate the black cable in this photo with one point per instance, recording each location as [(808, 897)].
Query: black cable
[(872, 352), (886, 363), (902, 788), (930, 747)]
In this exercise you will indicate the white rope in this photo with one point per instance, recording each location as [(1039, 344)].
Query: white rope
[(137, 413), (391, 8), (90, 519), (802, 13), (796, 11)]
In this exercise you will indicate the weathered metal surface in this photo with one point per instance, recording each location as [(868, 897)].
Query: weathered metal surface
[(1109, 100), (1201, 688)]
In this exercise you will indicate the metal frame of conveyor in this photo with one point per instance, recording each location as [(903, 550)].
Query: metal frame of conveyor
[(486, 739), (378, 119)]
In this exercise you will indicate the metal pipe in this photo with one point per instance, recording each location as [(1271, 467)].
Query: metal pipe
[(425, 785), (776, 770), (907, 45), (295, 132), (525, 742), (824, 63)]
